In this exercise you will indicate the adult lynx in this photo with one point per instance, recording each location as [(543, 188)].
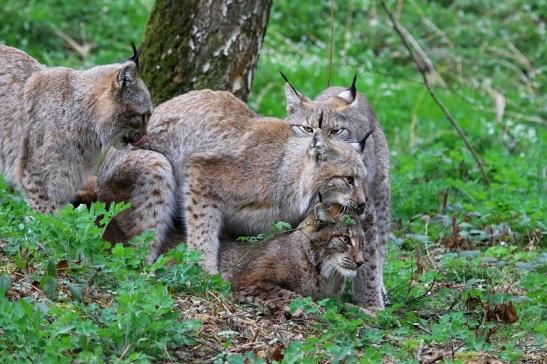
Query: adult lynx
[(347, 116), (234, 173), (56, 121)]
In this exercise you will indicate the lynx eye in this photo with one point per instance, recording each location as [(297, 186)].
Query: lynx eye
[(336, 131), (307, 129), (346, 239), (350, 180)]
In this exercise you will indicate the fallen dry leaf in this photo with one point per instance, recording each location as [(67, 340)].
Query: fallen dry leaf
[(504, 312)]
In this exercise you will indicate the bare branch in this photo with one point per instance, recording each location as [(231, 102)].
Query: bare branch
[(420, 62), (82, 49), (331, 50)]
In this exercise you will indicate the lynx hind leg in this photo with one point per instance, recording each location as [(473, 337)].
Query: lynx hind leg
[(382, 204), (202, 213), (367, 285), (36, 193), (145, 179)]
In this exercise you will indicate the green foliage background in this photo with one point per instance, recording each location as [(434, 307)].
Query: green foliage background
[(481, 50)]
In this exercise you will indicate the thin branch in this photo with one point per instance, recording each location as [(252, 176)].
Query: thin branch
[(259, 243), (403, 34), (422, 296), (82, 49), (331, 40)]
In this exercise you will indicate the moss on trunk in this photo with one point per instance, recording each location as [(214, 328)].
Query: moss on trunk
[(191, 44)]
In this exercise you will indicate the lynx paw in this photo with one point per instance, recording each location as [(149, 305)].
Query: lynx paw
[(367, 310)]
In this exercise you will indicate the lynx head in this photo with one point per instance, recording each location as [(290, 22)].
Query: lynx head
[(343, 113), (336, 241), (129, 103), (339, 175)]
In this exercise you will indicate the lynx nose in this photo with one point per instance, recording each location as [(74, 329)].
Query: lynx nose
[(358, 259)]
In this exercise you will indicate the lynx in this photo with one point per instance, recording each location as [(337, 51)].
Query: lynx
[(235, 173), (347, 116), (56, 122), (314, 260)]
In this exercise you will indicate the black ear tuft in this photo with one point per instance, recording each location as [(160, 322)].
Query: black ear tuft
[(321, 119), (136, 54), (363, 142), (353, 88), (287, 80), (320, 197)]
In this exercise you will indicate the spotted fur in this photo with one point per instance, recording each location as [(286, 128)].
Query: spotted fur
[(236, 173), (56, 122), (347, 116), (315, 260)]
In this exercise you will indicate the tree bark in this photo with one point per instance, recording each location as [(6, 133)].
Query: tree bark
[(192, 44)]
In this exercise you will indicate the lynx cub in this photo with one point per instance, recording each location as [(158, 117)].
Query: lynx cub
[(314, 260), (235, 173), (347, 116), (56, 121)]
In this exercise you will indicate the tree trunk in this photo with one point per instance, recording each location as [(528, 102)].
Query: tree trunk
[(192, 44)]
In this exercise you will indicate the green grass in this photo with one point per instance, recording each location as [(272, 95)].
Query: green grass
[(459, 246)]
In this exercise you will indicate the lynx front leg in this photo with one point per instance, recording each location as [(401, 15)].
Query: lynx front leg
[(367, 285), (202, 216), (381, 193), (46, 188), (37, 194), (367, 290)]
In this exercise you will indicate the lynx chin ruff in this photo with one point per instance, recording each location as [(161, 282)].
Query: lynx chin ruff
[(315, 260), (234, 173), (348, 117), (56, 122)]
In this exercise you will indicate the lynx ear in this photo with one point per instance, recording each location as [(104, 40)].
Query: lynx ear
[(350, 94), (294, 99), (127, 74), (322, 216), (318, 146), (362, 143)]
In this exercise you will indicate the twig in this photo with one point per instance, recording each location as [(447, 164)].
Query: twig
[(255, 335), (125, 350), (82, 49), (422, 60), (257, 244), (488, 336), (522, 117), (420, 297), (419, 353), (331, 40), (347, 27), (370, 311), (426, 330), (399, 10), (403, 34), (220, 302), (438, 31)]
